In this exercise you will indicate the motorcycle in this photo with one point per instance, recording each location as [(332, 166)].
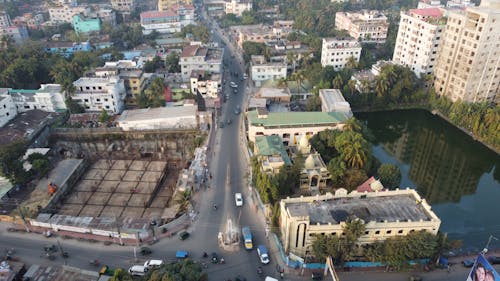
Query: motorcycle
[(205, 255), (94, 262), (259, 270)]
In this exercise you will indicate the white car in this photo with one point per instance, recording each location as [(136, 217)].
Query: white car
[(138, 270), (263, 254), (153, 263), (239, 199), (233, 85)]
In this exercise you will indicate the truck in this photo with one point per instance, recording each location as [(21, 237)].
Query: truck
[(247, 237)]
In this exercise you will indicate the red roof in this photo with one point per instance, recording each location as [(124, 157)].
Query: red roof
[(427, 12)]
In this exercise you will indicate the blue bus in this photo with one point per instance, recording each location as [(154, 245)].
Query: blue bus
[(247, 237)]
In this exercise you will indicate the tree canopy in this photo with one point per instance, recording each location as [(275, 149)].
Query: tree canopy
[(389, 175), (185, 270), (153, 96)]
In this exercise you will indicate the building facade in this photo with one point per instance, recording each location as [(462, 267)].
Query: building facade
[(125, 6), (160, 118), (261, 70), (468, 62), (18, 33), (258, 33), (419, 35), (385, 214), (197, 57), (67, 49), (65, 13), (96, 94), (162, 22), (338, 51), (50, 98), (7, 108), (291, 125), (165, 5), (332, 100), (237, 7), (208, 85), (368, 26)]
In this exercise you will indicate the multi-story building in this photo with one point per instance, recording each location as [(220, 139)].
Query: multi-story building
[(271, 153), (459, 4), (215, 8), (186, 14), (31, 20), (258, 33), (96, 94), (468, 62), (50, 98), (385, 214), (67, 49), (160, 118), (65, 13), (423, 4), (368, 26), (165, 5), (105, 13), (196, 57), (7, 107), (338, 51), (162, 22), (290, 125), (207, 84), (237, 7), (132, 75), (419, 35), (86, 25), (18, 33), (261, 70), (125, 6)]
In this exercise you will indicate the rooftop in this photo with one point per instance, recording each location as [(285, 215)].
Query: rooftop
[(277, 119), (271, 146), (155, 113), (390, 207), (273, 93), (157, 14), (25, 125), (331, 96), (427, 12)]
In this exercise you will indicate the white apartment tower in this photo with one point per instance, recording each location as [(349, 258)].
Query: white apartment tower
[(96, 94), (337, 51), (419, 35), (468, 64)]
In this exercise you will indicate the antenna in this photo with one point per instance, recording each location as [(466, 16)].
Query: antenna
[(485, 250)]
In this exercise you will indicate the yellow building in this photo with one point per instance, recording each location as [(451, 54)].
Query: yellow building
[(385, 214), (165, 5)]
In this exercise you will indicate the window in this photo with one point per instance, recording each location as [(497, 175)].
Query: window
[(388, 232), (377, 232)]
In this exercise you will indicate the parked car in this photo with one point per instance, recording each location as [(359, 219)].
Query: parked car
[(469, 262), (181, 254), (239, 199), (233, 85), (237, 111), (153, 263), (415, 278), (494, 260), (184, 235), (263, 254), (137, 270), (229, 121), (316, 276)]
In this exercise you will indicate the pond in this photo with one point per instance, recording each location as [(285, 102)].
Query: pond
[(457, 175)]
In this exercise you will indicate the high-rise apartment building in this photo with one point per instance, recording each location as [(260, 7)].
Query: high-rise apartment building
[(165, 5), (468, 64), (419, 34), (368, 26)]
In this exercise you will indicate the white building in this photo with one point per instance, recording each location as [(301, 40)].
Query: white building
[(337, 52), (159, 118), (468, 61), (385, 214), (207, 84), (49, 97), (237, 7), (7, 107), (419, 35), (126, 6), (368, 26), (332, 100), (290, 126), (65, 13), (162, 22), (96, 94), (261, 70), (423, 4), (17, 33), (197, 57)]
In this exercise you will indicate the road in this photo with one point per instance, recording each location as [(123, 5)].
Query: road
[(228, 167)]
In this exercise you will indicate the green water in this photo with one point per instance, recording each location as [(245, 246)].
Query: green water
[(458, 176)]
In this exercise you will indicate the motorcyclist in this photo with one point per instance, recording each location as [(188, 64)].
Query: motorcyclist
[(215, 206), (205, 254)]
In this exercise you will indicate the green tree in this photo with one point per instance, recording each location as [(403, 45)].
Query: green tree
[(337, 169), (389, 175), (313, 103), (337, 82), (353, 178), (153, 96), (172, 62), (183, 200), (104, 116), (354, 149)]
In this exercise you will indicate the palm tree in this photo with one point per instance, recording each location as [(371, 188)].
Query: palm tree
[(352, 125), (291, 57), (337, 82), (353, 148), (184, 200), (351, 63), (352, 86), (381, 85)]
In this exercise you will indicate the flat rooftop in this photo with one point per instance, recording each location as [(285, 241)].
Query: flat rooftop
[(25, 125), (146, 114), (390, 208), (292, 118)]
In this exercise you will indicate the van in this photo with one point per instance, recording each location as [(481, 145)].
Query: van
[(270, 279), (153, 263), (138, 270)]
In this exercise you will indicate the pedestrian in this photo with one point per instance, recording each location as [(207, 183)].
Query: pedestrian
[(448, 268)]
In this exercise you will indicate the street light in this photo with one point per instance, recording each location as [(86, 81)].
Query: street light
[(485, 250)]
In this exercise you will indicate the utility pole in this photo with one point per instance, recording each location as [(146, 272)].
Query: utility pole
[(485, 250), (22, 214)]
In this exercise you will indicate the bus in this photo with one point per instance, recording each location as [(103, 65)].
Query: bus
[(247, 237)]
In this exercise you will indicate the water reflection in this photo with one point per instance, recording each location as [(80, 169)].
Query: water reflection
[(445, 164)]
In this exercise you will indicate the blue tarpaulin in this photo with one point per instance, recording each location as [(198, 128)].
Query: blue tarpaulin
[(443, 261), (181, 254)]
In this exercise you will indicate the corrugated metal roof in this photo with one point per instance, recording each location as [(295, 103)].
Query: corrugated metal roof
[(275, 119)]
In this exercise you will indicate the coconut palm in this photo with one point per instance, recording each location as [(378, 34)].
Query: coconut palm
[(337, 82), (184, 199), (352, 125), (381, 85), (352, 86)]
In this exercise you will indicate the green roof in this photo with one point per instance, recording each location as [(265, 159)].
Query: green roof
[(23, 91), (296, 119), (272, 145)]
